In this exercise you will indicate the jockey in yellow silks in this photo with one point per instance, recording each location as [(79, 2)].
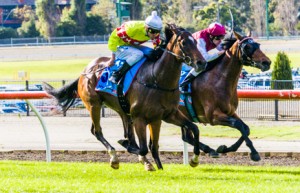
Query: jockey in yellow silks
[(125, 40)]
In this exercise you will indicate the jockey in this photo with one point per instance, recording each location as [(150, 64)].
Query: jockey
[(125, 40), (207, 40)]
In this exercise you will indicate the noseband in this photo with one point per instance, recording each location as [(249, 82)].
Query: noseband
[(247, 55), (187, 59)]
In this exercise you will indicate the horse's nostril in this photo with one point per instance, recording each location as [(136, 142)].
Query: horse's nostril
[(266, 63)]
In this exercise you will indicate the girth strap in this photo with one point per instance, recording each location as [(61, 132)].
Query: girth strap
[(121, 97)]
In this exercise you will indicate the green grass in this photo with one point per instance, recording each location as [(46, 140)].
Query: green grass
[(275, 132), (258, 130), (55, 69), (19, 176)]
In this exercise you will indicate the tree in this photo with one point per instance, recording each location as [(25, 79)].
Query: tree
[(136, 10), (259, 16), (282, 71), (107, 11), (77, 13), (211, 12), (7, 32), (95, 25), (45, 11), (24, 13), (284, 15), (73, 19), (28, 28), (29, 18)]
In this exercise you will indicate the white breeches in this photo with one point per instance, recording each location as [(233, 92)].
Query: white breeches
[(130, 54)]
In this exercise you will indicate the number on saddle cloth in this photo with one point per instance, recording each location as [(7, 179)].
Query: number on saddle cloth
[(104, 85)]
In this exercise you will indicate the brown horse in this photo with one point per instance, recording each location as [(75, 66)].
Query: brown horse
[(153, 97), (214, 92)]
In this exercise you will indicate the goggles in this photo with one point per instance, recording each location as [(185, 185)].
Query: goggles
[(153, 31), (221, 37)]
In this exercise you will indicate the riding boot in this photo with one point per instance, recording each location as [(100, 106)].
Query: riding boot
[(117, 75), (184, 86)]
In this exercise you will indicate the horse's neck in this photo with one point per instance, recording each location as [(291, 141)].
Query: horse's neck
[(167, 70), (231, 67)]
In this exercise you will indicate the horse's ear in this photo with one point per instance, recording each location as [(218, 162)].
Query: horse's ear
[(237, 35), (168, 32), (249, 33)]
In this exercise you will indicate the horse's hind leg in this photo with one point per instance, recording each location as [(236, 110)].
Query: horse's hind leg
[(95, 115), (154, 129)]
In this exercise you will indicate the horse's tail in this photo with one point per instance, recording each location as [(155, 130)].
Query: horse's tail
[(65, 95)]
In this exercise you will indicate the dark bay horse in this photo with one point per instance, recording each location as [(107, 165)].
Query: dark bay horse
[(153, 97), (214, 92)]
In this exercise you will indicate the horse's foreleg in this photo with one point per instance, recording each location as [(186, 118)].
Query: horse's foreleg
[(237, 123), (140, 129), (188, 137), (177, 118), (129, 142), (154, 129)]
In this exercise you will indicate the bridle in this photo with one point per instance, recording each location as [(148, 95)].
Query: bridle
[(186, 59), (246, 56)]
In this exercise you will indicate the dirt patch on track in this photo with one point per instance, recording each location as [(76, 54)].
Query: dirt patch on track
[(274, 159)]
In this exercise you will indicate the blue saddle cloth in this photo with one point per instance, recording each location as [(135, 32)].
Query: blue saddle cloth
[(184, 72), (104, 85)]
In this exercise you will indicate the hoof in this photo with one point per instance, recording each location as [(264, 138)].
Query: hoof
[(214, 154), (193, 163), (149, 167), (255, 157), (221, 149), (114, 165)]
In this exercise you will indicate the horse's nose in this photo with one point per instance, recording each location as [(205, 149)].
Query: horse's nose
[(266, 65)]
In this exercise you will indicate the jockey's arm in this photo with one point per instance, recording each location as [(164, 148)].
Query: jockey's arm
[(112, 59), (201, 45)]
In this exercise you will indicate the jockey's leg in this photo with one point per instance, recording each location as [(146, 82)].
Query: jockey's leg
[(131, 56), (117, 75), (188, 79)]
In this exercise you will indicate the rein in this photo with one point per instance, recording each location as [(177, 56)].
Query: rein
[(185, 58)]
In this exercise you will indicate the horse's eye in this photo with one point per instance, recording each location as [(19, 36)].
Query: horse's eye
[(183, 43), (248, 48)]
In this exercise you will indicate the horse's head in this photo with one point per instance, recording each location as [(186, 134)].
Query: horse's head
[(251, 54), (182, 45)]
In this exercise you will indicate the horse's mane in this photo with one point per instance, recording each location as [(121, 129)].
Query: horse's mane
[(228, 41), (226, 44)]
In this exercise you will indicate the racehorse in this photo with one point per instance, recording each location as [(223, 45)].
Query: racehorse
[(153, 97), (214, 92)]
